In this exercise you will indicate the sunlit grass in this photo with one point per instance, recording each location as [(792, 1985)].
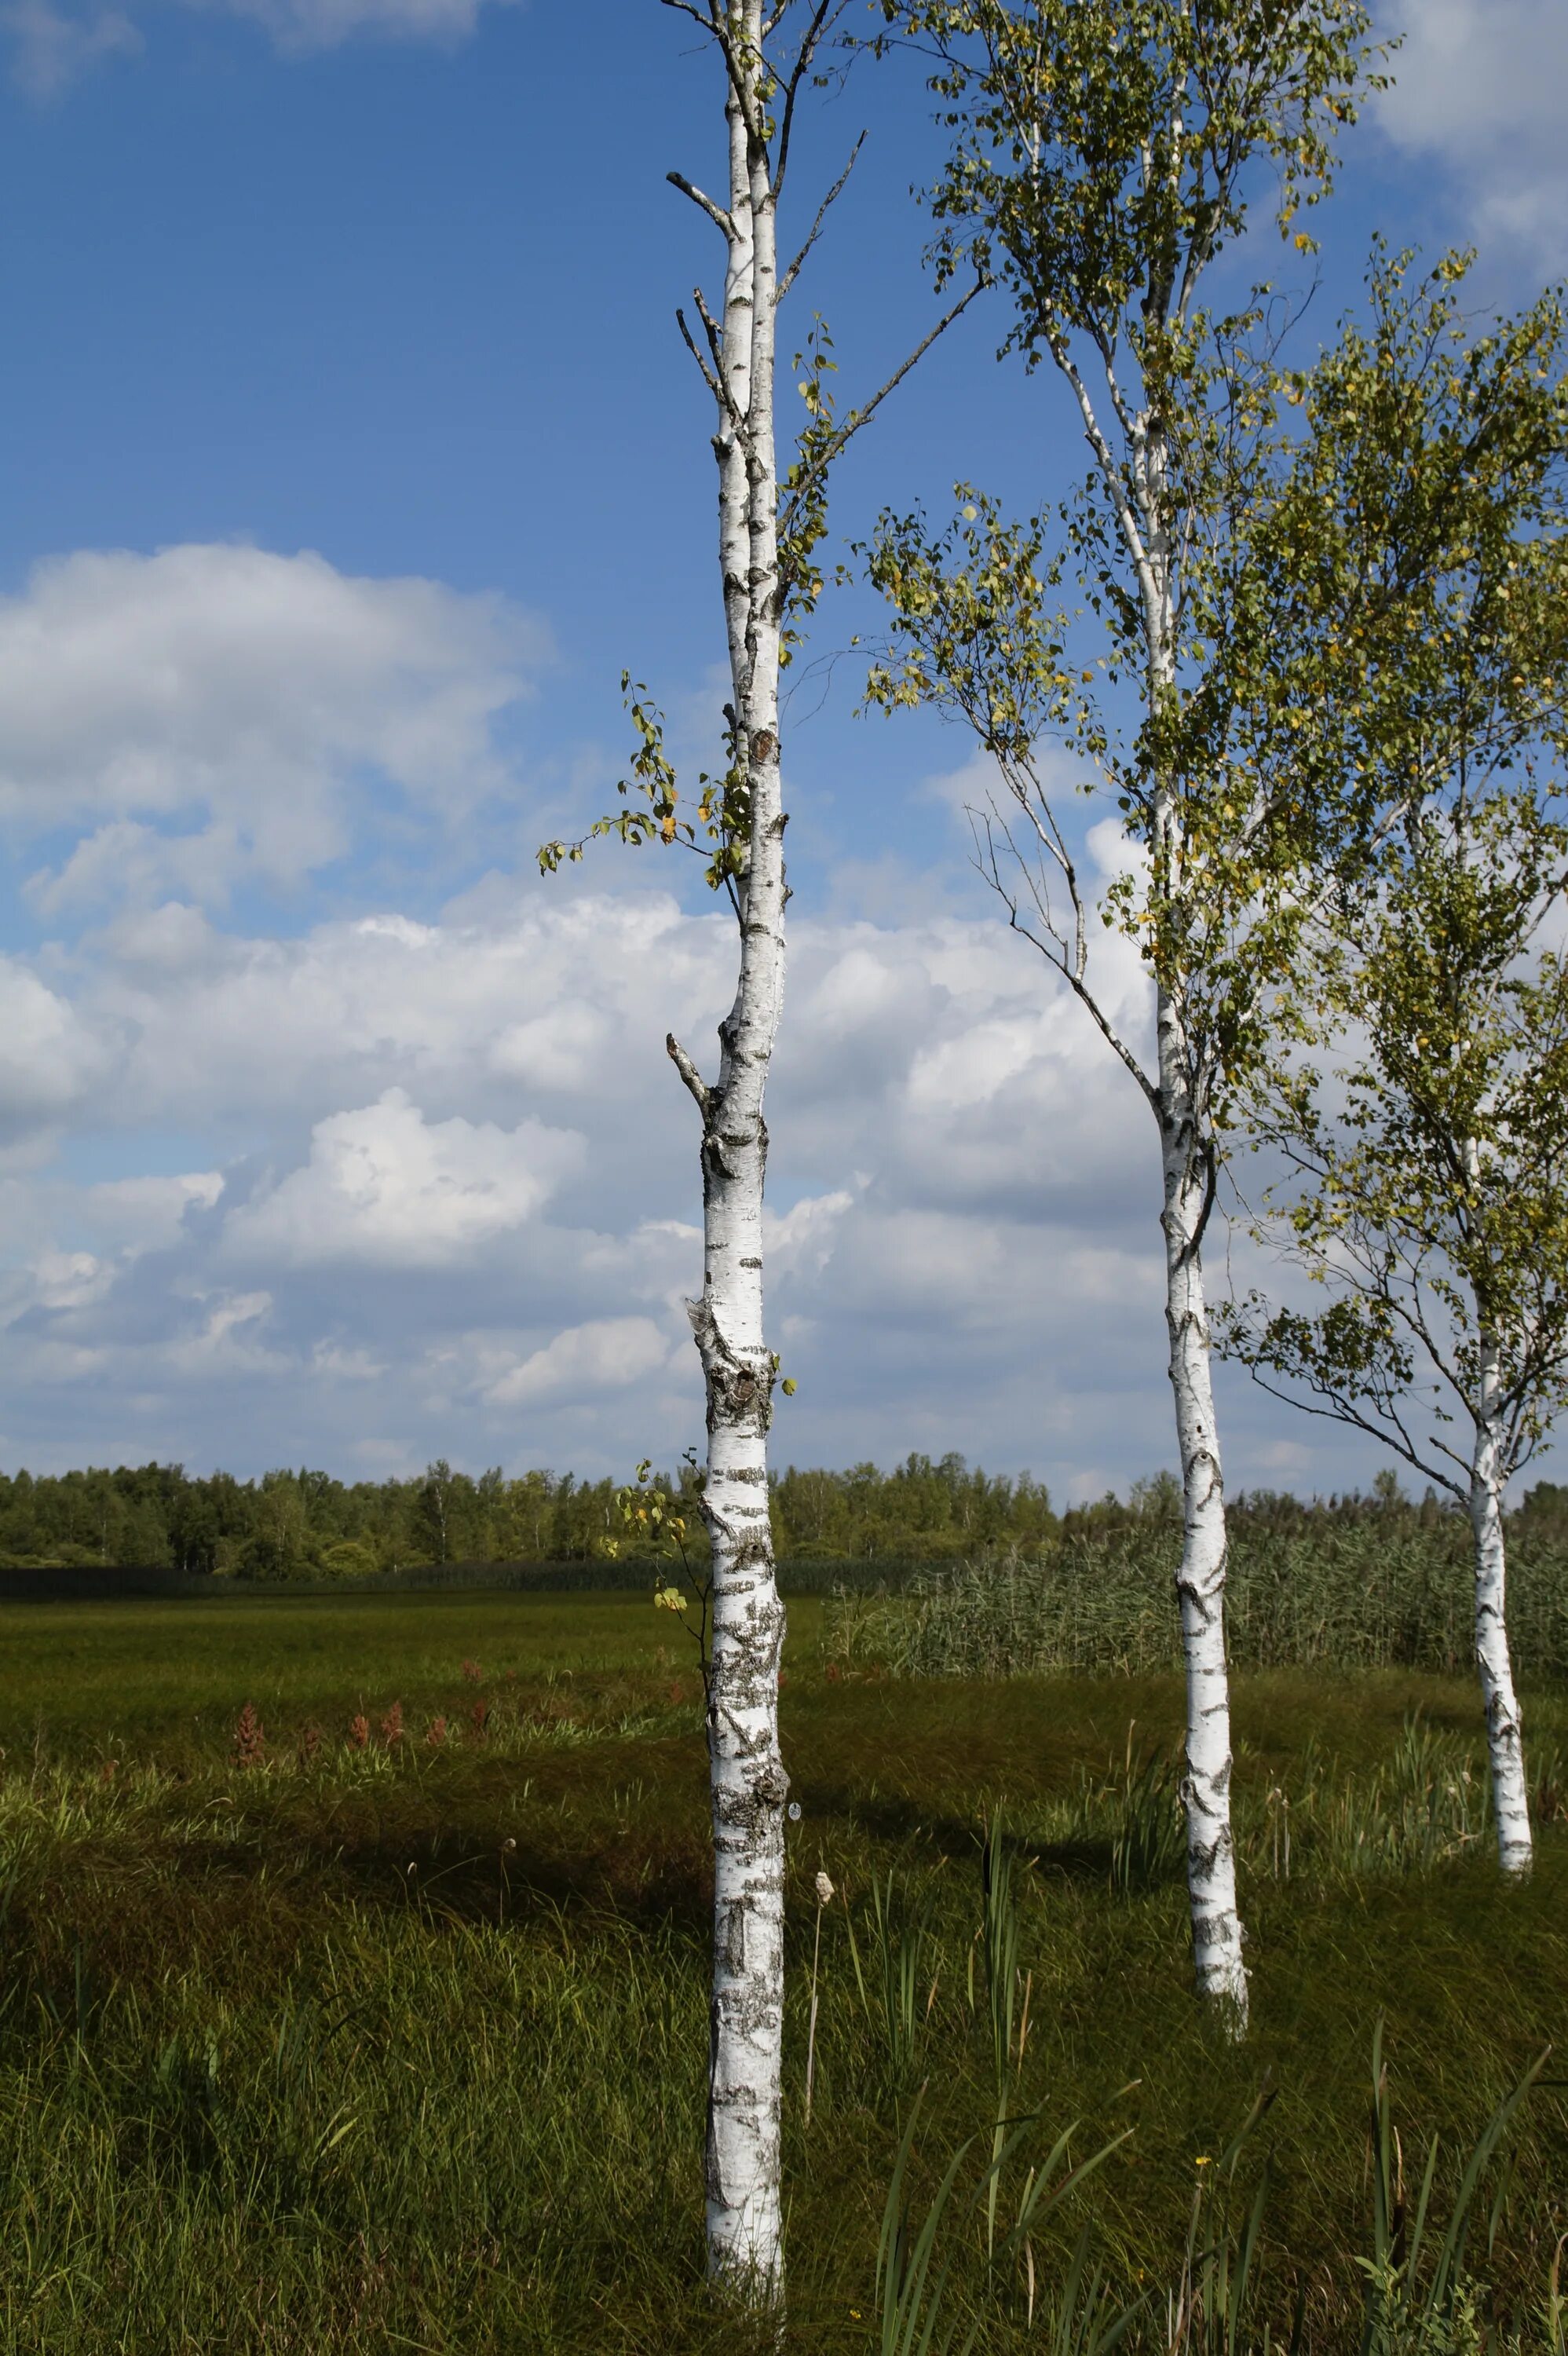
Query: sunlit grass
[(365, 2047)]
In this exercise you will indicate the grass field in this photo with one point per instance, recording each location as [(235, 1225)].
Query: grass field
[(399, 2042)]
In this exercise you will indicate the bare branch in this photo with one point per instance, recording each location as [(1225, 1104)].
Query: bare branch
[(708, 378), (809, 40), (988, 823), (716, 213), (689, 1073), (714, 21), (1340, 1410), (833, 446), (1057, 956), (1125, 417), (1023, 783), (787, 281)]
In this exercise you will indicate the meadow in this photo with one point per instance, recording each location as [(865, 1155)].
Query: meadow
[(355, 1976)]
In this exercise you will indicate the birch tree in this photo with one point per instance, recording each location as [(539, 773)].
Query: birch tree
[(771, 525), (1419, 600), (1103, 156)]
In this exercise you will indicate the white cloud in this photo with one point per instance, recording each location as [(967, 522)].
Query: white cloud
[(608, 1354), (298, 27), (385, 1185), (149, 1212), (1479, 89), (224, 1337), (48, 1056), (53, 49), (805, 1236), (70, 1280), (442, 1195), (214, 709), (548, 998)]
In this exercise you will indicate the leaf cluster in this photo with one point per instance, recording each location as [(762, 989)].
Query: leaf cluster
[(1406, 673), (1103, 149), (1427, 1185), (720, 825), (1397, 615), (1103, 156), (978, 631)]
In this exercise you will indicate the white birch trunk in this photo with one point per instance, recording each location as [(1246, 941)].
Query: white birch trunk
[(748, 1784), (1505, 1742), (1200, 1582), (1187, 1148)]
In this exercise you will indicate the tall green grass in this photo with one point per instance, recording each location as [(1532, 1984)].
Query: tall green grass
[(354, 2048), (1354, 1596)]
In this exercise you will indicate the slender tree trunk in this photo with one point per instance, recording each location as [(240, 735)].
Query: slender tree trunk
[(1186, 1149), (1201, 1586), (1505, 1743), (748, 1783)]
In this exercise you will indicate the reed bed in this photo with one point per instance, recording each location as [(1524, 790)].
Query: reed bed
[(1353, 1595)]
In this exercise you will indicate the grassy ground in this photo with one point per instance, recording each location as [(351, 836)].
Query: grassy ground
[(400, 2044)]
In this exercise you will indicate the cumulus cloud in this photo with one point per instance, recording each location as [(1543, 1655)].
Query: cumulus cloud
[(549, 998), (1479, 89), (447, 1194), (48, 1057), (385, 1185), (211, 710), (608, 1354)]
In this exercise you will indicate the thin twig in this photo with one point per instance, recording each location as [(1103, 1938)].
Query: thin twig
[(836, 191)]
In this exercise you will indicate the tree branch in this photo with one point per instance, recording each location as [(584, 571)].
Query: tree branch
[(808, 45), (716, 213), (990, 869), (834, 443), (1112, 473), (787, 281), (688, 1072), (708, 378), (1339, 1410)]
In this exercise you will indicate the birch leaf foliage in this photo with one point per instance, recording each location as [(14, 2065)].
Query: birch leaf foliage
[(1104, 153), (1103, 156), (1427, 1184), (1418, 570)]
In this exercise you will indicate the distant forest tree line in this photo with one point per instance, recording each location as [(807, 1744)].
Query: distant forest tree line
[(305, 1525)]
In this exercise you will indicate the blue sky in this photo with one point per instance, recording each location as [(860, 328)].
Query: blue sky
[(350, 453)]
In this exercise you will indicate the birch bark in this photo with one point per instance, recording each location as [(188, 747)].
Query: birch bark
[(1200, 1585), (749, 1787), (1505, 1740), (1188, 1155), (767, 538)]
